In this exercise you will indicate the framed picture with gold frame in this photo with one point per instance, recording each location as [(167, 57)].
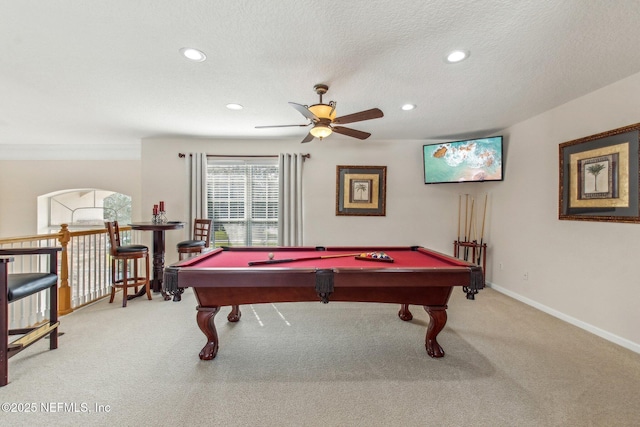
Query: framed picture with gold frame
[(361, 190), (599, 177)]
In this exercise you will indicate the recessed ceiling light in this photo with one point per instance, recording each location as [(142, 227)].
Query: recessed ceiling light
[(457, 55), (193, 54), (408, 107), (234, 107)]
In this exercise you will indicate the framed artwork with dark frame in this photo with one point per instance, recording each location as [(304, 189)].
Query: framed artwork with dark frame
[(361, 190), (599, 177)]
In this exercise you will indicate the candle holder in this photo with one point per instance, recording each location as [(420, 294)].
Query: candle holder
[(154, 218), (159, 216)]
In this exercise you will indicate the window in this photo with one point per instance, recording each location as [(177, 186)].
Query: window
[(242, 201), (82, 209)]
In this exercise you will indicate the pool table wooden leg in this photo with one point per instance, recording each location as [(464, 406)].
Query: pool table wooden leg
[(438, 318), (234, 314), (404, 313), (205, 319)]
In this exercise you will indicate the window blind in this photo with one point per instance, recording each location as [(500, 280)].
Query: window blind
[(242, 201)]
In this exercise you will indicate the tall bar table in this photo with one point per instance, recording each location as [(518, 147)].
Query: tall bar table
[(158, 251)]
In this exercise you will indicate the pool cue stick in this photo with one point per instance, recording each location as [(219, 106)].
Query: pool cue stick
[(457, 244), (466, 211), (472, 221), (278, 261), (468, 236), (459, 214), (484, 215)]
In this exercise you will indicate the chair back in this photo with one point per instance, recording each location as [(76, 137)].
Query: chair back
[(114, 236), (202, 230)]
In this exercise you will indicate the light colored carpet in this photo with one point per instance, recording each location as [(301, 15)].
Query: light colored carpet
[(311, 364)]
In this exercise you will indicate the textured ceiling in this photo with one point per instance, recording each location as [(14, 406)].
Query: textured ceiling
[(109, 72)]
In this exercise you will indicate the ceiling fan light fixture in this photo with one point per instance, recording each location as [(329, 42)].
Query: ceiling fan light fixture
[(324, 111), (322, 116), (321, 131)]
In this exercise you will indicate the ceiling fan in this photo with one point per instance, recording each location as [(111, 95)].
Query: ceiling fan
[(323, 118)]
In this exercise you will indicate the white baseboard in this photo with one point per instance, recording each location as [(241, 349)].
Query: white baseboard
[(635, 347)]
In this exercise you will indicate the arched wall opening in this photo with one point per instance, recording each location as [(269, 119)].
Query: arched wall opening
[(82, 208)]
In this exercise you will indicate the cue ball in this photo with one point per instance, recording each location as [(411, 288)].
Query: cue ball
[(270, 255)]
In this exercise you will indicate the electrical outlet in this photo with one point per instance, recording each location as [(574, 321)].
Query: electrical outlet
[(525, 276)]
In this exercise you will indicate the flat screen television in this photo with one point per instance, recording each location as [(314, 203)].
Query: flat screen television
[(471, 160)]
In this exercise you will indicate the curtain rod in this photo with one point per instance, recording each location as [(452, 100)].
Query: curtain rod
[(182, 155)]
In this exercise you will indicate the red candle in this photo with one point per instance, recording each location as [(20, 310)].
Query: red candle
[(161, 206), (155, 209)]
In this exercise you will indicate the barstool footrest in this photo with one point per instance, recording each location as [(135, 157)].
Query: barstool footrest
[(34, 335)]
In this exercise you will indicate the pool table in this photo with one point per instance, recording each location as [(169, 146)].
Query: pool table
[(233, 276)]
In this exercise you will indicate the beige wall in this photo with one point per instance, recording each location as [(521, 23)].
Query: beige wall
[(416, 214), (581, 272), (22, 181)]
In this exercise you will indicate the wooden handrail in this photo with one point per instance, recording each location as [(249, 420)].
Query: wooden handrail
[(66, 239), (33, 238), (57, 236)]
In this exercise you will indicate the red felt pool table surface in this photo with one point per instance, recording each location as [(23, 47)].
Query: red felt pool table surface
[(416, 276), (402, 258)]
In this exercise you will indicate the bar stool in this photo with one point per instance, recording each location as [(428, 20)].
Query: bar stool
[(201, 233), (16, 286), (126, 253)]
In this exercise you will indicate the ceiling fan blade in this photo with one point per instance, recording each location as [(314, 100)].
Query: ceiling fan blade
[(351, 132), (282, 126), (307, 138), (374, 113), (304, 111)]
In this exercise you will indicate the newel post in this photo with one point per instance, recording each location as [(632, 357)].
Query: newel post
[(64, 292)]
